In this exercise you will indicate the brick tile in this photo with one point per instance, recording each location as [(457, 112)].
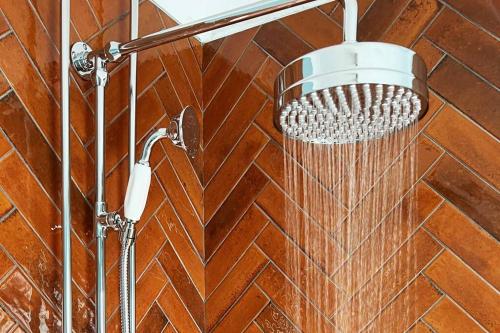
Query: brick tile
[(180, 242), (412, 21), (182, 283), (227, 55), (233, 168), (149, 18), (154, 321), (5, 146), (149, 242), (431, 54), (149, 287), (435, 105), (168, 96), (272, 318), (5, 264), (209, 52), (234, 126), (247, 307), (173, 66), (187, 175), (379, 17), (230, 92), (468, 241), (428, 153), (420, 327), (265, 121), (6, 322), (302, 272), (4, 85), (169, 329), (447, 317), (233, 246), (468, 193), (386, 283), (418, 297), (467, 289), (249, 266), (253, 328), (5, 205), (106, 11), (273, 201), (20, 296), (181, 203), (267, 75), (469, 93), (473, 146), (81, 17), (176, 311), (314, 27), (233, 208), (281, 43), (483, 12), (295, 306), (4, 27), (468, 43)]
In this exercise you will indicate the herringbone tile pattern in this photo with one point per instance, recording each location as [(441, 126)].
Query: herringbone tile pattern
[(211, 245)]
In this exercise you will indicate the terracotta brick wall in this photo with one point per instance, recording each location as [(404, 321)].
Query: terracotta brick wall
[(210, 248)]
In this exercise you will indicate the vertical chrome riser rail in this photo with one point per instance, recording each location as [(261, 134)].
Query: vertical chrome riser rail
[(134, 33), (100, 216), (66, 165)]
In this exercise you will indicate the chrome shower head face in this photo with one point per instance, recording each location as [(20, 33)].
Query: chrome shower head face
[(347, 114), (351, 92)]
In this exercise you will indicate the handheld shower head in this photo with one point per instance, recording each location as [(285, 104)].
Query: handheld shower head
[(350, 92)]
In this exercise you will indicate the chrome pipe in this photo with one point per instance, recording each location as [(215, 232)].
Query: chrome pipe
[(207, 24), (66, 165), (134, 33), (100, 214), (113, 51)]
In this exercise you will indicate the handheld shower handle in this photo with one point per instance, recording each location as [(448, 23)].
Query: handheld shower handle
[(137, 192)]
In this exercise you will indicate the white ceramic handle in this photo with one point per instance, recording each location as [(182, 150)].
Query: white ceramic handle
[(137, 192)]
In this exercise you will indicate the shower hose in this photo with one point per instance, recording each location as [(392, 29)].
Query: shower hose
[(128, 238)]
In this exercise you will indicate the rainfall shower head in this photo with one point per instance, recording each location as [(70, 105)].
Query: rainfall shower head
[(350, 92)]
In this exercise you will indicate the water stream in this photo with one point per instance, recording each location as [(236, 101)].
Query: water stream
[(351, 216)]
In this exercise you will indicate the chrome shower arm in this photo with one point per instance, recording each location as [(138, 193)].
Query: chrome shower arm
[(82, 55)]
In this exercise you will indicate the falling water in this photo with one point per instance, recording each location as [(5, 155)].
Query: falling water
[(351, 216)]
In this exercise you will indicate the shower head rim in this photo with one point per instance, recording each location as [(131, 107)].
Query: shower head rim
[(348, 63)]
